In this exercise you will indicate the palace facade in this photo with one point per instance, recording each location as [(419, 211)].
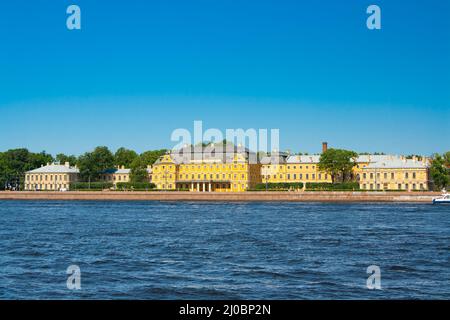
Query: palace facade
[(229, 168), (218, 168), (395, 173), (52, 177)]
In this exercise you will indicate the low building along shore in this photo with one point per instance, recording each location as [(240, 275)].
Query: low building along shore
[(52, 177), (395, 173)]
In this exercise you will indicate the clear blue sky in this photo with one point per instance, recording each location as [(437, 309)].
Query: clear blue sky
[(139, 69)]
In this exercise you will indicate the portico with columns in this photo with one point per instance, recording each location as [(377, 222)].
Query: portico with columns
[(204, 186)]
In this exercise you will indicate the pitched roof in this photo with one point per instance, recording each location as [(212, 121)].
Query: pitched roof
[(303, 159), (55, 168), (211, 153), (398, 163), (116, 171)]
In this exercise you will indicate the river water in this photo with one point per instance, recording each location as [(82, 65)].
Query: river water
[(192, 250)]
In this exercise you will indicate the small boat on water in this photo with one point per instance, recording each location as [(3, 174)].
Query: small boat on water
[(444, 199)]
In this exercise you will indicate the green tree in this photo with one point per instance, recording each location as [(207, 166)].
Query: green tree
[(139, 165), (447, 159), (138, 172), (15, 162), (150, 157), (439, 172), (337, 163), (124, 157), (62, 159), (91, 164)]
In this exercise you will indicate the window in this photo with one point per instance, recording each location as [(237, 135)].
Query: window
[(364, 176), (371, 175), (392, 175), (414, 175), (385, 175), (406, 175)]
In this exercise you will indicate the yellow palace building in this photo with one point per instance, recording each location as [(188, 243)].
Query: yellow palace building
[(395, 173), (212, 168), (372, 172), (283, 168)]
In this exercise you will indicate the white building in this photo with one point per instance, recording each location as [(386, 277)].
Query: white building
[(52, 177)]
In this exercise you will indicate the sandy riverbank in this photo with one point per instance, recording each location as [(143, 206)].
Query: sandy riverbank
[(421, 197)]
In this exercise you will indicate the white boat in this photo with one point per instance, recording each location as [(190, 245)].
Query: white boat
[(444, 199)]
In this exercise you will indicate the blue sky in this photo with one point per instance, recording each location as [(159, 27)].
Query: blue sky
[(140, 69)]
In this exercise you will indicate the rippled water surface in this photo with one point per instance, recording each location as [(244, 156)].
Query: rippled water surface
[(186, 250)]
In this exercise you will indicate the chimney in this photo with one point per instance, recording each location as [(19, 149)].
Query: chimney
[(324, 147), (67, 164)]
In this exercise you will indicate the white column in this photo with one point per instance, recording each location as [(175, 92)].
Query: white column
[(209, 187), (198, 187), (204, 186)]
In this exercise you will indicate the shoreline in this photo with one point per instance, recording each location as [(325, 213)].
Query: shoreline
[(261, 196)]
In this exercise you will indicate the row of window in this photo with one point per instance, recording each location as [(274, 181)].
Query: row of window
[(406, 175), (300, 176), (211, 176), (46, 186), (400, 186), (42, 177), (115, 177), (189, 167), (288, 167)]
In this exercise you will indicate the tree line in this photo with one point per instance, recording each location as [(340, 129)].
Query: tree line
[(15, 162)]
